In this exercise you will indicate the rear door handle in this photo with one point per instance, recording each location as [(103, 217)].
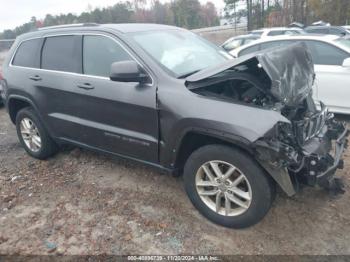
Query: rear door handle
[(35, 78), (86, 86)]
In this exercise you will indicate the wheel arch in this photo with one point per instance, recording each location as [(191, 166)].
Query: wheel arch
[(15, 103), (195, 138)]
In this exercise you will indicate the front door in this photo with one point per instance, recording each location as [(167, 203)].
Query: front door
[(332, 79), (333, 87)]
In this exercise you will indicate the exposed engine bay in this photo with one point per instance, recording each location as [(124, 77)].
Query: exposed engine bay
[(239, 89), (294, 153)]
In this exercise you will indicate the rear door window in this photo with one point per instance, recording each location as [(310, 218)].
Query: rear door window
[(62, 53), (99, 53), (28, 54)]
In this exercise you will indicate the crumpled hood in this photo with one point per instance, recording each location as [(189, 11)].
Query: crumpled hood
[(289, 68)]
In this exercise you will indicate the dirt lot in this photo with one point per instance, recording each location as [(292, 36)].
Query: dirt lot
[(84, 203)]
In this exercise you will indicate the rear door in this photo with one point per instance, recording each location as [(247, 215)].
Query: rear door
[(332, 79), (56, 84), (24, 67)]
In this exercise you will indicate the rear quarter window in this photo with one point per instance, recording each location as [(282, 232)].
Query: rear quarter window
[(28, 54)]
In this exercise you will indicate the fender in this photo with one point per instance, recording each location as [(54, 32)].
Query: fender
[(22, 98), (280, 176), (171, 152), (29, 101)]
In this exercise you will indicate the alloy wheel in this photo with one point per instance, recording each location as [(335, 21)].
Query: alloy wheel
[(223, 188), (30, 134)]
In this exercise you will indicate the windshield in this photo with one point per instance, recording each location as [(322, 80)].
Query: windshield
[(344, 42), (181, 52)]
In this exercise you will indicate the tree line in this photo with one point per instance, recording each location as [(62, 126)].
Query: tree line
[(267, 13), (192, 14), (183, 13)]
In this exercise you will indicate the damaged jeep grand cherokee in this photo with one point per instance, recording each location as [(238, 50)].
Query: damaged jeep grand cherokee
[(161, 95)]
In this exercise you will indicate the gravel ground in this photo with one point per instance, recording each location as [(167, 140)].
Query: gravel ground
[(84, 203)]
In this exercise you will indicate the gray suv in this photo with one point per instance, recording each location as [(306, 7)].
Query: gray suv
[(161, 95)]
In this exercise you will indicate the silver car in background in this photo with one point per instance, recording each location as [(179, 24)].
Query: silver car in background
[(331, 56)]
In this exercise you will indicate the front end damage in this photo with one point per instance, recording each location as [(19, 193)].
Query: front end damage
[(307, 148), (306, 152)]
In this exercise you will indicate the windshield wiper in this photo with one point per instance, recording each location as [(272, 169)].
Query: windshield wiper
[(188, 74)]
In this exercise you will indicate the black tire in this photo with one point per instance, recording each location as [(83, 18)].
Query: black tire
[(262, 186), (48, 146)]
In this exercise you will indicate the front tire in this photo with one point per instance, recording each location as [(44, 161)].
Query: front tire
[(33, 136), (227, 186)]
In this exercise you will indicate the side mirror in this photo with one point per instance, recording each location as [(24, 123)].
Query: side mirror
[(346, 62), (127, 71)]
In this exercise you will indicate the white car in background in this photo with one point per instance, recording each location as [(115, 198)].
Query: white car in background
[(276, 31), (331, 56)]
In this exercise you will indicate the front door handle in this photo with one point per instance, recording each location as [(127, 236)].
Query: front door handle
[(35, 78), (86, 86)]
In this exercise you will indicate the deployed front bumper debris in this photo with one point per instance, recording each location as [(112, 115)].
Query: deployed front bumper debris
[(309, 160)]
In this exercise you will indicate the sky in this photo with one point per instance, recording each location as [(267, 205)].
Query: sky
[(16, 12)]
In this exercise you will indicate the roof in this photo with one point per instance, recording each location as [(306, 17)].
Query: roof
[(325, 38), (277, 28), (246, 36), (138, 27), (322, 26), (121, 28)]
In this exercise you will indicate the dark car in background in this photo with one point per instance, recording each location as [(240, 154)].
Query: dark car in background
[(164, 96)]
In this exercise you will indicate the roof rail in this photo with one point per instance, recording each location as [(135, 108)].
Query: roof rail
[(67, 26)]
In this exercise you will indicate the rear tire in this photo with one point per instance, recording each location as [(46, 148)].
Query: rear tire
[(216, 198), (33, 136)]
